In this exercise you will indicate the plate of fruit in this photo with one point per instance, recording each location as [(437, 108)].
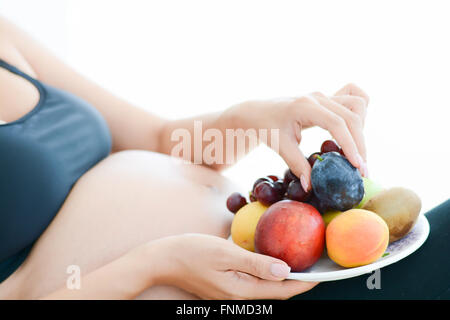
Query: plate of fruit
[(346, 226)]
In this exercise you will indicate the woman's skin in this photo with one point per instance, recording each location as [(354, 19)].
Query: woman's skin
[(141, 224)]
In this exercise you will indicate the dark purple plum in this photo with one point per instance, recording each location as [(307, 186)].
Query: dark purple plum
[(336, 183), (317, 204)]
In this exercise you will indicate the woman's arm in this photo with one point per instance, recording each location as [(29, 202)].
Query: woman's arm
[(124, 278), (131, 127), (342, 115), (207, 266)]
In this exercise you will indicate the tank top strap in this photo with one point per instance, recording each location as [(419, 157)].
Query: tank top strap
[(36, 83), (15, 70)]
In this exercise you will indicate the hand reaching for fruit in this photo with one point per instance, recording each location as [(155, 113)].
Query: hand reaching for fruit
[(337, 184), (284, 218), (342, 115)]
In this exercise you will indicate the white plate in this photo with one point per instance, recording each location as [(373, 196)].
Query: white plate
[(327, 270)]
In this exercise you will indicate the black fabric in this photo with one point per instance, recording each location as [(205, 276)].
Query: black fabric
[(425, 274), (42, 155)]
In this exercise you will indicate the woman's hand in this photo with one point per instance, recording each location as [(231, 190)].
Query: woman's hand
[(214, 268), (342, 115)]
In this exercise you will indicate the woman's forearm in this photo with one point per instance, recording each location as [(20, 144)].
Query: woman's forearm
[(124, 278), (195, 138)]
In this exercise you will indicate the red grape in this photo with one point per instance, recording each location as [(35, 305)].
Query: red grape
[(296, 192), (266, 193), (235, 201), (267, 179), (288, 177), (279, 186), (329, 146), (252, 197), (274, 178), (313, 157)]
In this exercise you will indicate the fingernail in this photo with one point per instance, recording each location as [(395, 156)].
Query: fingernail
[(279, 270), (304, 183), (362, 166)]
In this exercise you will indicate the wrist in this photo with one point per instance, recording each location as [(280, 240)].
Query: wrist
[(157, 264), (236, 116)]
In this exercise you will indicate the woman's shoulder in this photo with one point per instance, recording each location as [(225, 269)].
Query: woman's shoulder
[(7, 45), (4, 27)]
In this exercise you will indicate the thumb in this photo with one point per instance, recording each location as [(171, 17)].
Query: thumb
[(261, 266)]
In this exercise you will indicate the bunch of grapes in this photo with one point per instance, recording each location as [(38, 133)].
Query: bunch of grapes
[(271, 189)]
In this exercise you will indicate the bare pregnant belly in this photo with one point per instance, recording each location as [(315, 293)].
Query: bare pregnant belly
[(126, 200), (142, 182), (139, 184)]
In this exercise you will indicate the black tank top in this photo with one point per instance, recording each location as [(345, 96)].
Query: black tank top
[(42, 155)]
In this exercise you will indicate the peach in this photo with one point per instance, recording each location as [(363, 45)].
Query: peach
[(356, 237), (244, 224)]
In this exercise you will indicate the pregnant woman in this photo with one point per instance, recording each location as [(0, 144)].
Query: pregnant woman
[(87, 185)]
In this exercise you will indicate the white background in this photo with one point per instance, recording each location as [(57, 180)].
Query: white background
[(181, 58)]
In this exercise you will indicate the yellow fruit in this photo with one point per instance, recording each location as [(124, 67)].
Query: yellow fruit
[(244, 224), (330, 215), (371, 189)]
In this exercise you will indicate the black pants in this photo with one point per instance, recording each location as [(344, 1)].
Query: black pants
[(425, 274)]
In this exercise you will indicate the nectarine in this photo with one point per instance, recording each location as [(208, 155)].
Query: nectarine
[(293, 232)]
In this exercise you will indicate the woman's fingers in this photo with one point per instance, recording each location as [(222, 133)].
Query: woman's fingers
[(258, 265), (353, 103), (353, 121), (258, 276), (353, 90), (337, 126), (283, 289), (254, 288), (294, 158), (342, 115)]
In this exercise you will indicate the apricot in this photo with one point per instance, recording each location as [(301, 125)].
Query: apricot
[(244, 224), (356, 237)]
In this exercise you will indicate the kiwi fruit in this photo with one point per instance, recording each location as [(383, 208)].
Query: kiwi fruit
[(399, 208)]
